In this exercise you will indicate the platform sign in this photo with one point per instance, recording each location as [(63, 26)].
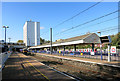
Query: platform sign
[(113, 49), (105, 39), (92, 53)]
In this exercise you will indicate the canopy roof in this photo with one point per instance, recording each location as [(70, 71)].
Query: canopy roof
[(83, 39)]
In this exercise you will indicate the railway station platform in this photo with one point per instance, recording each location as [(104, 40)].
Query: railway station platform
[(22, 67), (86, 60)]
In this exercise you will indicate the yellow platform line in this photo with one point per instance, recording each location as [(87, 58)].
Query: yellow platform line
[(38, 71)]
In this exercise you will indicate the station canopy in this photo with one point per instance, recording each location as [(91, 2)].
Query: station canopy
[(83, 39)]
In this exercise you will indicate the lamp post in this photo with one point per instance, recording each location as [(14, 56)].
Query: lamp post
[(50, 40), (5, 32), (100, 45), (109, 59)]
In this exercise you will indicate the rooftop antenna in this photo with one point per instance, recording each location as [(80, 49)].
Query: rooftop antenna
[(30, 20)]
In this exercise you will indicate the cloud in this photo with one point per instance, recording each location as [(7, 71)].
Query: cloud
[(41, 27)]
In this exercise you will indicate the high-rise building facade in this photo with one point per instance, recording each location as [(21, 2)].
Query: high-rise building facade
[(31, 33)]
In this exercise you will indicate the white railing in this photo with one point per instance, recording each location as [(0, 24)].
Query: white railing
[(3, 57)]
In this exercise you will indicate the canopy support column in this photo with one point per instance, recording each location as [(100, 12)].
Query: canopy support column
[(74, 47), (63, 50), (92, 47)]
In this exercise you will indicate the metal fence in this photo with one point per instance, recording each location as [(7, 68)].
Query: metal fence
[(114, 57)]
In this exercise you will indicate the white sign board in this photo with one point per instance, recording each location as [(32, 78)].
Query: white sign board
[(92, 53), (113, 49)]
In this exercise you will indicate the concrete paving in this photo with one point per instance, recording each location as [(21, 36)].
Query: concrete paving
[(19, 66)]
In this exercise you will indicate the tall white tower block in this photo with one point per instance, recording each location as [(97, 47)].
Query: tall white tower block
[(31, 33)]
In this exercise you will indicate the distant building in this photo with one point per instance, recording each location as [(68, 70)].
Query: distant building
[(31, 33)]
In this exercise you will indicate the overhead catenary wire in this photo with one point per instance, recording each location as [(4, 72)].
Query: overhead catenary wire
[(74, 16), (44, 32), (101, 22), (79, 13), (108, 28), (101, 30), (89, 21), (104, 29), (105, 21)]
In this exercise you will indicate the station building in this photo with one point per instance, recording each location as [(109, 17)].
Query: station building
[(87, 39)]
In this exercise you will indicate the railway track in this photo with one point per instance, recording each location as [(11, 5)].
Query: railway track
[(84, 73), (60, 65), (27, 71)]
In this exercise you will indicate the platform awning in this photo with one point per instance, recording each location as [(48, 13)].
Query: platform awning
[(83, 39)]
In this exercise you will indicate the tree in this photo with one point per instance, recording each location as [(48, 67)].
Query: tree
[(115, 40), (43, 41), (20, 41), (47, 41)]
